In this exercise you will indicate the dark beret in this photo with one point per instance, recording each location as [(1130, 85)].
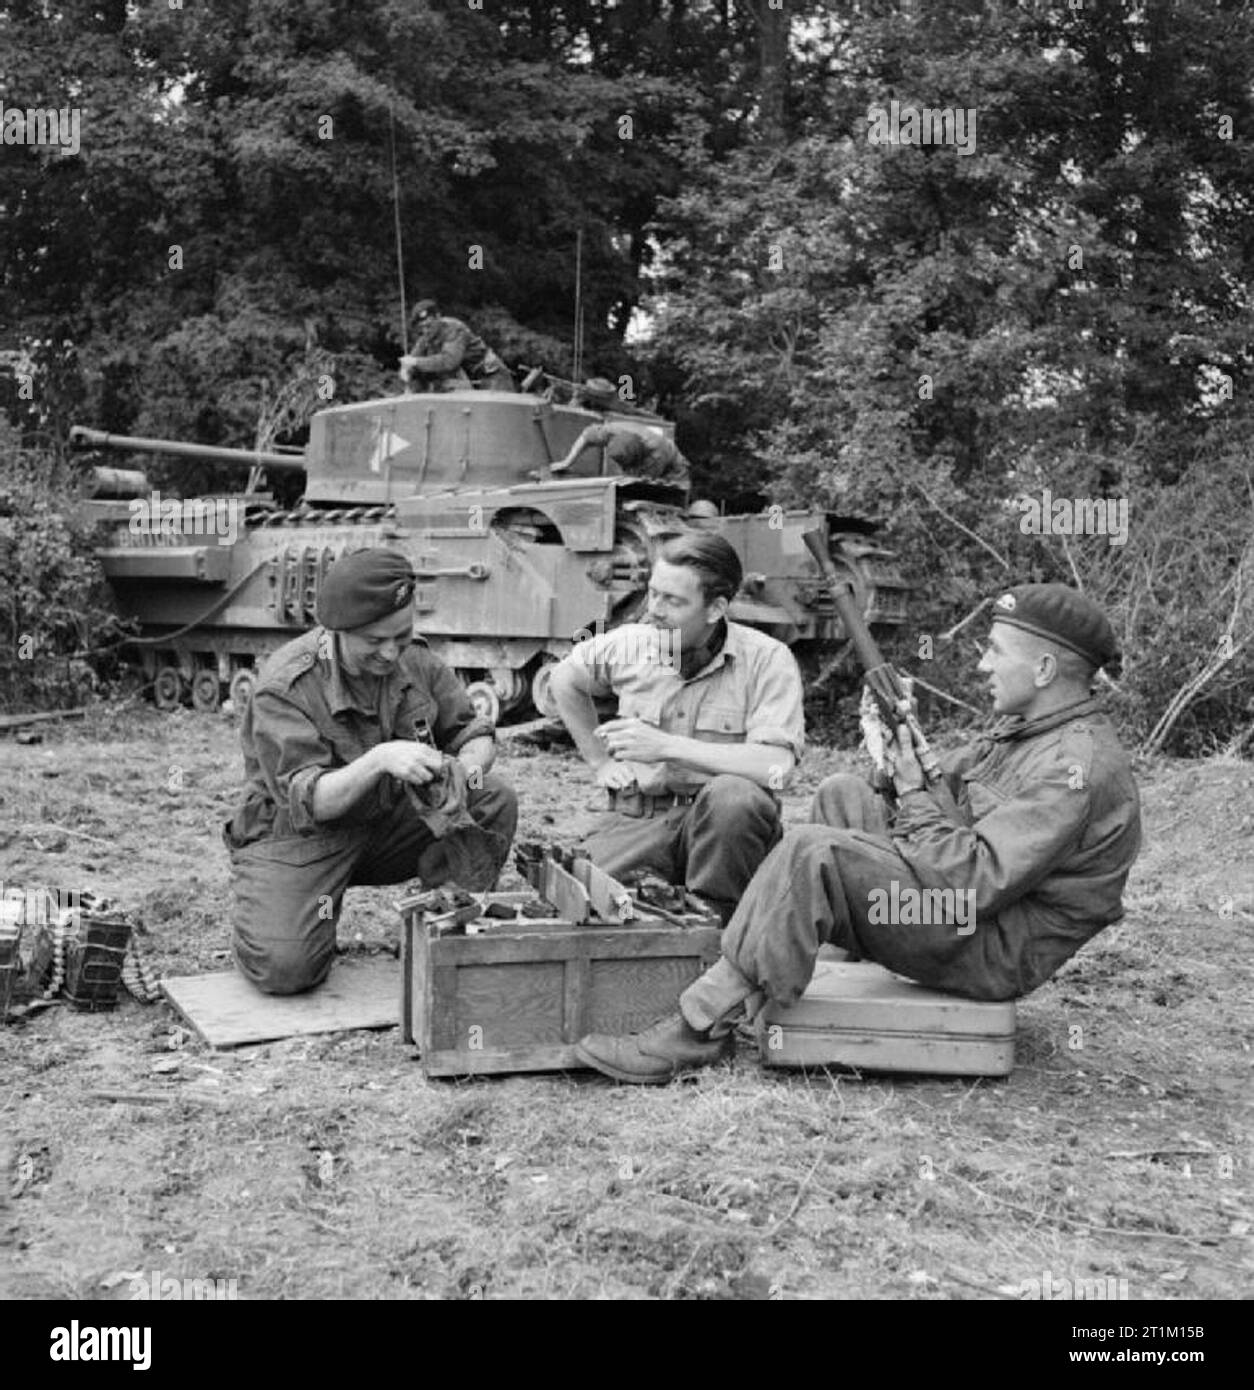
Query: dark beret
[(363, 587), (1063, 615)]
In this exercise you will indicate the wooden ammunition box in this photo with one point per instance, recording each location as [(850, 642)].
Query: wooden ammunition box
[(491, 996), (862, 1016)]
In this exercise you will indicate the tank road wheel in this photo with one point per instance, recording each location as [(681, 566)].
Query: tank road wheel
[(243, 682), (206, 691), (485, 700), (167, 689), (541, 695)]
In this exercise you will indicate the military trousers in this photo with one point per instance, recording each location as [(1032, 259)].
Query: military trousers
[(816, 887), (711, 846), (288, 891)]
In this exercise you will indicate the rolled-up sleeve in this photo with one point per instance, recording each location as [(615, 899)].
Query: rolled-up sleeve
[(291, 754), (774, 707), (457, 720)]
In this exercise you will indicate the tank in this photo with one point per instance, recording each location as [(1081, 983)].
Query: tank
[(514, 566)]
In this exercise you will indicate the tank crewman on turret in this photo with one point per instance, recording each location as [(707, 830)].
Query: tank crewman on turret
[(709, 728), (640, 451), (449, 356), (365, 763), (1024, 846)]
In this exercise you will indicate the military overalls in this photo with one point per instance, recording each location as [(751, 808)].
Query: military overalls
[(307, 717), (1040, 819)]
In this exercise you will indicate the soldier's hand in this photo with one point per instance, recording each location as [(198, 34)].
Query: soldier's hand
[(416, 763), (616, 776), (907, 773), (634, 740)]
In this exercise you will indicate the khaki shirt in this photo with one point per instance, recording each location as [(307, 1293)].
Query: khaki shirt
[(749, 693), (305, 719)]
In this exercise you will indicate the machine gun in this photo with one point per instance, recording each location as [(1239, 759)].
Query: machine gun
[(882, 680)]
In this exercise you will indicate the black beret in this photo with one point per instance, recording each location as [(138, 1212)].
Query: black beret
[(1063, 615), (363, 587)]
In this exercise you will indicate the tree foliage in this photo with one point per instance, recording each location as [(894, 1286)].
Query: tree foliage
[(901, 330)]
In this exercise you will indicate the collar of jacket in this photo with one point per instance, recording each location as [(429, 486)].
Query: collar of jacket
[(340, 696), (714, 645), (1014, 727)]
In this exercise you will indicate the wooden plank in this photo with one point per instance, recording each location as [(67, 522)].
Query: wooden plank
[(227, 1011), (20, 721), (564, 891), (935, 1055), (553, 1057), (600, 943), (439, 1022), (408, 974), (575, 998)]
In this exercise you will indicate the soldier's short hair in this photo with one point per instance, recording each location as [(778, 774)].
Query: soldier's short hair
[(717, 564)]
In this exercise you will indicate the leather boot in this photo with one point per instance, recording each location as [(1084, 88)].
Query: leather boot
[(655, 1056)]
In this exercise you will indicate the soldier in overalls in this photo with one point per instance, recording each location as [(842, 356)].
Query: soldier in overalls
[(447, 356), (365, 763)]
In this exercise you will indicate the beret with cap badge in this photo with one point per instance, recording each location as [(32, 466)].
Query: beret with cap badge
[(1063, 615), (362, 587)]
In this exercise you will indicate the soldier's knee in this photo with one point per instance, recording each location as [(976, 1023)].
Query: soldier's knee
[(495, 800), (842, 799), (737, 798), (283, 967)]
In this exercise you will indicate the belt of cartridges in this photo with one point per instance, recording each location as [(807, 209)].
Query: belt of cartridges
[(137, 973)]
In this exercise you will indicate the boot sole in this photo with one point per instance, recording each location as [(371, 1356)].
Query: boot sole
[(634, 1078), (615, 1074)]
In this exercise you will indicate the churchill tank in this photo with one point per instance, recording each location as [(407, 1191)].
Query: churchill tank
[(515, 565)]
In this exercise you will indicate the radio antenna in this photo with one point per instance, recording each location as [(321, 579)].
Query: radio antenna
[(396, 217), (578, 371)]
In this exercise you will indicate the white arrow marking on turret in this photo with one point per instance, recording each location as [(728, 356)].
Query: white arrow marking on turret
[(387, 444)]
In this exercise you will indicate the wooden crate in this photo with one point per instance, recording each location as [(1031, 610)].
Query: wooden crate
[(863, 1016), (517, 996)]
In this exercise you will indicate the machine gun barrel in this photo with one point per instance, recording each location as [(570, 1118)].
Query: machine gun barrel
[(83, 438), (882, 679)]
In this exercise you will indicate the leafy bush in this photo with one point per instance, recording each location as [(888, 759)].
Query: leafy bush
[(54, 606)]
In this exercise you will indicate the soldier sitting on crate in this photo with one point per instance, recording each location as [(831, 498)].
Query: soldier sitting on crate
[(1039, 821), (450, 355), (709, 728), (366, 764)]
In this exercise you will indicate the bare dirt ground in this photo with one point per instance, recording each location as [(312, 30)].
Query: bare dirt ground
[(330, 1167)]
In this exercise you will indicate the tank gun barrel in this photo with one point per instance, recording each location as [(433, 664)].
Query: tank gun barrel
[(83, 438)]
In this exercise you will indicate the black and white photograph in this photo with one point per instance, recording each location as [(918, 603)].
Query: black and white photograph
[(626, 667)]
